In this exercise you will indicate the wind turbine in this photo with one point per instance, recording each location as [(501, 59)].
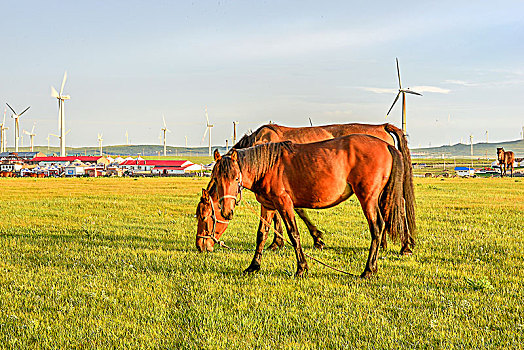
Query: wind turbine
[(100, 139), (31, 135), (127, 139), (403, 92), (164, 129), (208, 128), (61, 114), (3, 139), (235, 132), (16, 116)]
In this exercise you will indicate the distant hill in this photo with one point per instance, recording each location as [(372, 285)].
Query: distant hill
[(479, 149), (458, 150)]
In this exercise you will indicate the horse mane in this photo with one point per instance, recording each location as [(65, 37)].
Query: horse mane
[(257, 160), (261, 158), (248, 140)]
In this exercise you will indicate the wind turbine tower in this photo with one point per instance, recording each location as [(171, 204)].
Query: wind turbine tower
[(127, 139), (31, 135), (208, 128), (164, 129), (61, 114), (100, 139), (235, 133), (471, 145), (3, 139), (16, 116), (487, 139), (403, 92)]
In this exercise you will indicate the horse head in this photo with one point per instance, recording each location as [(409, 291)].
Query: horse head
[(228, 182), (206, 223), (500, 153)]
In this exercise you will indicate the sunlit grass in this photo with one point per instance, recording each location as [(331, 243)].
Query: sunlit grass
[(111, 263)]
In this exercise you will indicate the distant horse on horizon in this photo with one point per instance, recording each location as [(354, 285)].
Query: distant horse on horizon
[(506, 159)]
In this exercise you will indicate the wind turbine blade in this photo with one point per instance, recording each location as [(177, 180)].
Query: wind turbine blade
[(26, 132), (310, 122), (25, 110), (54, 93), (205, 133), (33, 129), (168, 130), (67, 132), (63, 83), (5, 111), (11, 108), (398, 72), (412, 92), (164, 120), (396, 99), (207, 119)]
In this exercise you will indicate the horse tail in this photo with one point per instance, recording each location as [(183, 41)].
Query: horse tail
[(392, 202), (409, 188)]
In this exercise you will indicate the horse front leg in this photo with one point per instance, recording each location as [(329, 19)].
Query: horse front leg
[(313, 230), (263, 228), (286, 210), (278, 239)]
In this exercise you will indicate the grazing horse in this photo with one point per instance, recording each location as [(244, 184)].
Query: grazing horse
[(321, 175), (211, 225), (506, 159)]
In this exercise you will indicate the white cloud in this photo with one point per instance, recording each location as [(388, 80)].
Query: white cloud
[(425, 88), (460, 82)]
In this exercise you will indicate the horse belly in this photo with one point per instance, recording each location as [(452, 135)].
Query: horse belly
[(322, 195)]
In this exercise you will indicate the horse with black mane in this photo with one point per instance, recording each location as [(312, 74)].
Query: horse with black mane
[(211, 225), (506, 160), (320, 175)]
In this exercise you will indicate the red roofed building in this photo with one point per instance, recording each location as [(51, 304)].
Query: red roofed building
[(149, 164), (43, 161)]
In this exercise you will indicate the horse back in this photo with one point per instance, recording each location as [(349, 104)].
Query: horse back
[(278, 133)]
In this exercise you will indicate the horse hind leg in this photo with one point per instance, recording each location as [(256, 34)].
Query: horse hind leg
[(313, 230), (376, 227), (278, 238)]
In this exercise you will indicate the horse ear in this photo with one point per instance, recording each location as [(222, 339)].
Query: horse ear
[(217, 155), (205, 195), (234, 155)]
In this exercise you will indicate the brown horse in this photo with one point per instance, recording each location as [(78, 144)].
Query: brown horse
[(321, 175), (205, 239), (505, 159)]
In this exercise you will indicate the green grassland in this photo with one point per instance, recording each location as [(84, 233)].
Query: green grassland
[(111, 263)]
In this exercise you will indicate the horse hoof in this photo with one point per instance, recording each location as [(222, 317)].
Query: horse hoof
[(366, 274), (299, 274), (251, 269), (406, 252), (275, 246), (319, 245)]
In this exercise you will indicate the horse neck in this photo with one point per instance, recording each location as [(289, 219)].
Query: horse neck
[(251, 171)]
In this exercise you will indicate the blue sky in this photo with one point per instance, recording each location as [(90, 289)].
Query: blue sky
[(129, 62)]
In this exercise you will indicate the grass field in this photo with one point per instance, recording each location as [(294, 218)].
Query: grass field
[(111, 263)]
